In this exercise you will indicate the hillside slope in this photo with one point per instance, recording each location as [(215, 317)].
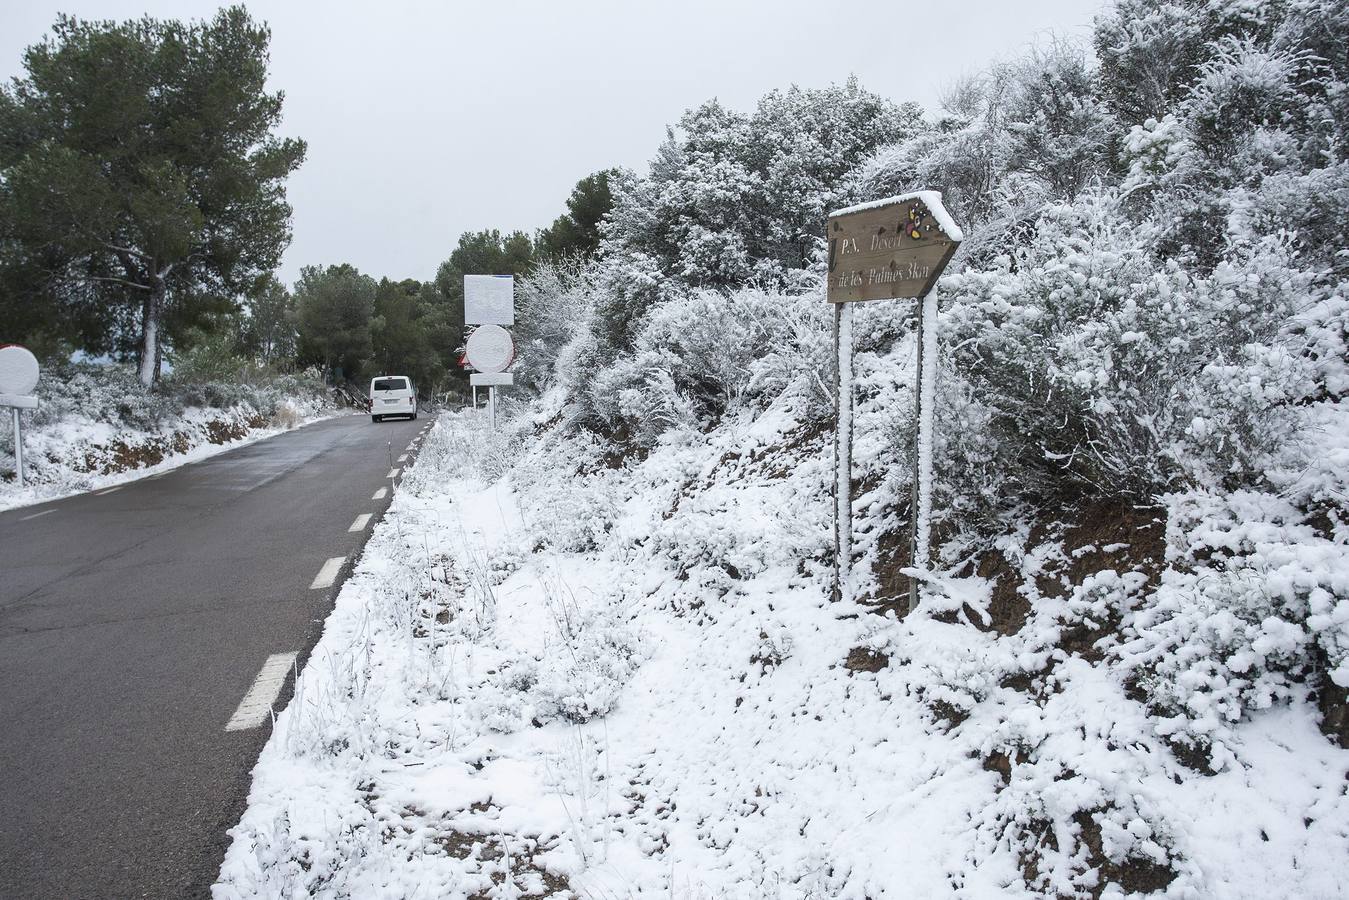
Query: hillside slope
[(555, 671)]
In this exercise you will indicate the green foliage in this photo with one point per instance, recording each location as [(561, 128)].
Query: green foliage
[(269, 333), (411, 334), (334, 307), (481, 253), (140, 177), (577, 233)]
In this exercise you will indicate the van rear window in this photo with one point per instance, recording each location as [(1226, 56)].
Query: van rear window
[(391, 384)]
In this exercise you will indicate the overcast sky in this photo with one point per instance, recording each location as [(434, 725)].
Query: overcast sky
[(425, 120)]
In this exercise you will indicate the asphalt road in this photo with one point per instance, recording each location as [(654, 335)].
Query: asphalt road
[(133, 624)]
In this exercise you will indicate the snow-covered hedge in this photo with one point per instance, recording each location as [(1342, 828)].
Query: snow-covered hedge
[(95, 422)]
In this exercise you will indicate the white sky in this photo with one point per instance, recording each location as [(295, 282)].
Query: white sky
[(425, 120)]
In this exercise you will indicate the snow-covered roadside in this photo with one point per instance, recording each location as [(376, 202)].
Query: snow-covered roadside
[(556, 678), (67, 444)]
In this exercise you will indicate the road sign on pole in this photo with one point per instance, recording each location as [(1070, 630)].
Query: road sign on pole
[(489, 303), (19, 373), (887, 249)]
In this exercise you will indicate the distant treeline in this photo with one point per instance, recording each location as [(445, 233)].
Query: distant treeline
[(143, 215)]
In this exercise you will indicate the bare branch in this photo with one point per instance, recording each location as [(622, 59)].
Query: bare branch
[(121, 281)]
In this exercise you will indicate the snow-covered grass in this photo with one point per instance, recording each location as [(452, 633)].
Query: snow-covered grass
[(558, 678), (97, 427)]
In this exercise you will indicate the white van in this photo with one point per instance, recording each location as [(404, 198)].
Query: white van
[(392, 395)]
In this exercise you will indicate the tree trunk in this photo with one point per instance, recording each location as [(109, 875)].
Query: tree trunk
[(149, 355)]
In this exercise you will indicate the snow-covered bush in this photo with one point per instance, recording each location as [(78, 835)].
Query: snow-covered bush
[(698, 356), (571, 517), (592, 654), (1258, 598), (553, 305), (99, 420), (1111, 371)]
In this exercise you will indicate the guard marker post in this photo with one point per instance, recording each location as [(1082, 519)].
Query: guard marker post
[(883, 250)]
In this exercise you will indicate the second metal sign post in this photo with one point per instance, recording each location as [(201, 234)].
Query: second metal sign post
[(883, 250)]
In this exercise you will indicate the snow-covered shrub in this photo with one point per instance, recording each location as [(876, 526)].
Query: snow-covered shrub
[(1259, 597), (1113, 372), (592, 655), (708, 533), (98, 420), (698, 356), (568, 515), (553, 304)]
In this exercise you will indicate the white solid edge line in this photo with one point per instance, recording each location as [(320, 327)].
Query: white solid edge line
[(393, 473), (380, 494), (257, 703), (361, 521), (110, 490), (45, 512), (328, 574)]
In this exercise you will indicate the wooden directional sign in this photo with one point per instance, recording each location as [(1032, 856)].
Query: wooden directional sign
[(890, 248)]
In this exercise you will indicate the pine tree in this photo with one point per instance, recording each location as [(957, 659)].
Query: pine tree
[(139, 171)]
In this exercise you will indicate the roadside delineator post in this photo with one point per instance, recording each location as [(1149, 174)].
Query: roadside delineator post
[(19, 373), (883, 250)]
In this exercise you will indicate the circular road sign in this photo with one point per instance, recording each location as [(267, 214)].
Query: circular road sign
[(490, 349), (18, 370)]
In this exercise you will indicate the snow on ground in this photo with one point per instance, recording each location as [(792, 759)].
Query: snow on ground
[(195, 422), (89, 435), (554, 673)]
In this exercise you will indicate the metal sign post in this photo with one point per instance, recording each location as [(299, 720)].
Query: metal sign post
[(843, 410), (19, 373), (886, 249), (18, 449)]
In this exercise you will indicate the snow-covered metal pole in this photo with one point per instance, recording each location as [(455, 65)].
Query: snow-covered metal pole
[(18, 447), (924, 398), (843, 407)]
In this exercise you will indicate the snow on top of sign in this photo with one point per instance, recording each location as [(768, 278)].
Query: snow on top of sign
[(489, 299), (930, 199)]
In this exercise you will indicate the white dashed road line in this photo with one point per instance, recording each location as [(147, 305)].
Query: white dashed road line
[(380, 494), (257, 703), (393, 473), (361, 521), (403, 458), (328, 574), (45, 512)]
